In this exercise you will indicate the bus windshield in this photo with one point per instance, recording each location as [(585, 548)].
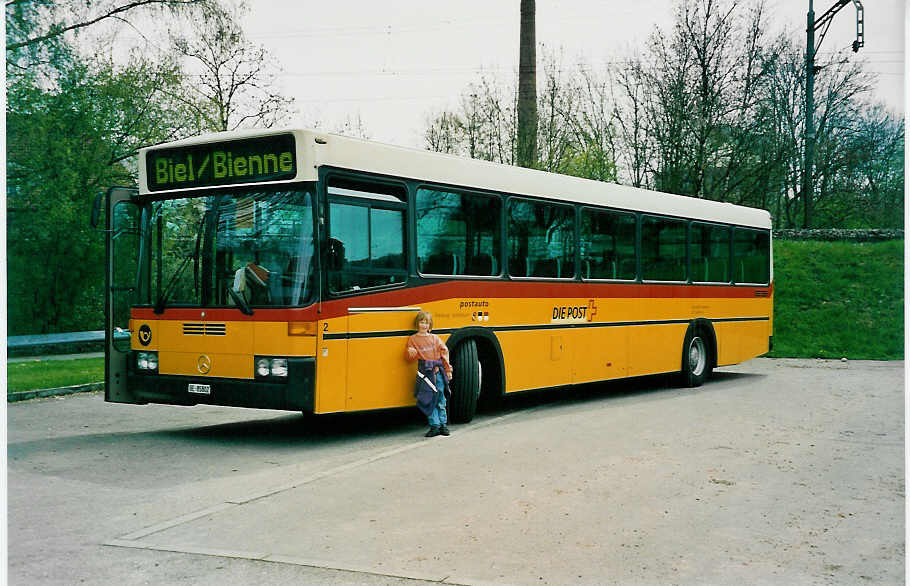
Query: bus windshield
[(249, 249)]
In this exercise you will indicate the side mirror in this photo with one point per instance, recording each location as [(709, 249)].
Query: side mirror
[(120, 338), (96, 210)]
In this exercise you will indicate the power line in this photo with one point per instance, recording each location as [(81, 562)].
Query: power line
[(472, 70), (371, 99), (372, 30)]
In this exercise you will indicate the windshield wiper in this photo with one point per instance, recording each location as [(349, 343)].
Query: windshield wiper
[(162, 299), (240, 301)]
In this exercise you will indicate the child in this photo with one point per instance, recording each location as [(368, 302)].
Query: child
[(433, 373)]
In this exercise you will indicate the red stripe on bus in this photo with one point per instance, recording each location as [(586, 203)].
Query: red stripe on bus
[(414, 296)]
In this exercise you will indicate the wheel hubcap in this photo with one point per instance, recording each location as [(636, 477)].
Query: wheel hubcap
[(698, 358)]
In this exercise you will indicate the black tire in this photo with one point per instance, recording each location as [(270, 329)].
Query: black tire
[(465, 383), (696, 358)]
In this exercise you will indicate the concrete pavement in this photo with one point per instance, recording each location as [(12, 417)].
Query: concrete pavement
[(775, 472)]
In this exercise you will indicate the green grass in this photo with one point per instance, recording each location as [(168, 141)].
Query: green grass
[(839, 300), (50, 374)]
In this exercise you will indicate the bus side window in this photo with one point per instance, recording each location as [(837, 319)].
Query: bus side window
[(457, 232), (663, 249), (608, 240), (541, 239), (709, 252), (751, 252), (366, 244)]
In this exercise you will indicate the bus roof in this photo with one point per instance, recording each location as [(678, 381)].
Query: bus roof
[(316, 149)]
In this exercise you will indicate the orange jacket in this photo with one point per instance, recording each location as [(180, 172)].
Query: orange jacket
[(429, 347)]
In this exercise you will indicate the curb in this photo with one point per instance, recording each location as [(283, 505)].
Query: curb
[(39, 393)]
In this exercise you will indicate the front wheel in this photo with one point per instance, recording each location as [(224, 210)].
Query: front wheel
[(696, 360), (465, 382)]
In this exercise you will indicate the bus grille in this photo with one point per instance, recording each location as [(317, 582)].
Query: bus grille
[(204, 329)]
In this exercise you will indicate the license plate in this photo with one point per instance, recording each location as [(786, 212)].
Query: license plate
[(200, 389)]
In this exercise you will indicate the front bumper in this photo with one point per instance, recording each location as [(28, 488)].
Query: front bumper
[(297, 393)]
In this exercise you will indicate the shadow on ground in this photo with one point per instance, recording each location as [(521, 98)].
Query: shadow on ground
[(161, 457)]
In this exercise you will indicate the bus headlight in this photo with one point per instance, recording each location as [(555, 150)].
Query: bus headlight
[(147, 361), (271, 367), (280, 367), (262, 367)]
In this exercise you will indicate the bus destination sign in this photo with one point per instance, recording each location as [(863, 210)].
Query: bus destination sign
[(252, 160)]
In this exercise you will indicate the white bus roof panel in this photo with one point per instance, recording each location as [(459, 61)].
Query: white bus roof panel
[(316, 149)]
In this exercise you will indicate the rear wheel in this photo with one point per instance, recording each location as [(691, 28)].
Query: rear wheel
[(696, 359), (465, 382)]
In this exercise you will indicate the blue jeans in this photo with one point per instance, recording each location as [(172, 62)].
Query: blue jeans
[(437, 416)]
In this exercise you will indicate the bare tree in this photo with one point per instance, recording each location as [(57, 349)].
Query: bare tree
[(840, 115), (668, 108), (704, 83), (556, 111), (629, 94), (354, 126), (235, 82), (711, 108), (482, 127), (443, 133), (574, 128), (593, 127), (54, 19)]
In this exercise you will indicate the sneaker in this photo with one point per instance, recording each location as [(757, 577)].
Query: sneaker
[(434, 431), (444, 430)]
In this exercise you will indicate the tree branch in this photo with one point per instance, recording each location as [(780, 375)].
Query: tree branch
[(58, 29)]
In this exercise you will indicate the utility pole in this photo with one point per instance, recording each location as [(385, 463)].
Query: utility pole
[(813, 25)]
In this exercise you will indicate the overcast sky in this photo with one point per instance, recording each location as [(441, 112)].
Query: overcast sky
[(394, 62)]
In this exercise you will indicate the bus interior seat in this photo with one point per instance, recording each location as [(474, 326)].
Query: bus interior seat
[(625, 268), (441, 263), (482, 264), (752, 269), (549, 267), (518, 267), (666, 269), (717, 270)]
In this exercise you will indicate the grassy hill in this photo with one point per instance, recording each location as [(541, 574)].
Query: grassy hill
[(839, 299)]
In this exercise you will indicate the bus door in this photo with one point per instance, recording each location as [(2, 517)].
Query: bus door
[(378, 375), (365, 253), (331, 365), (123, 281)]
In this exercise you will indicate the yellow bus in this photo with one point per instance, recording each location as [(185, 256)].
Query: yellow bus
[(283, 269)]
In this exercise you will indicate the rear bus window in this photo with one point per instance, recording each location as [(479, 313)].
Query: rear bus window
[(751, 256), (541, 240), (458, 233)]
